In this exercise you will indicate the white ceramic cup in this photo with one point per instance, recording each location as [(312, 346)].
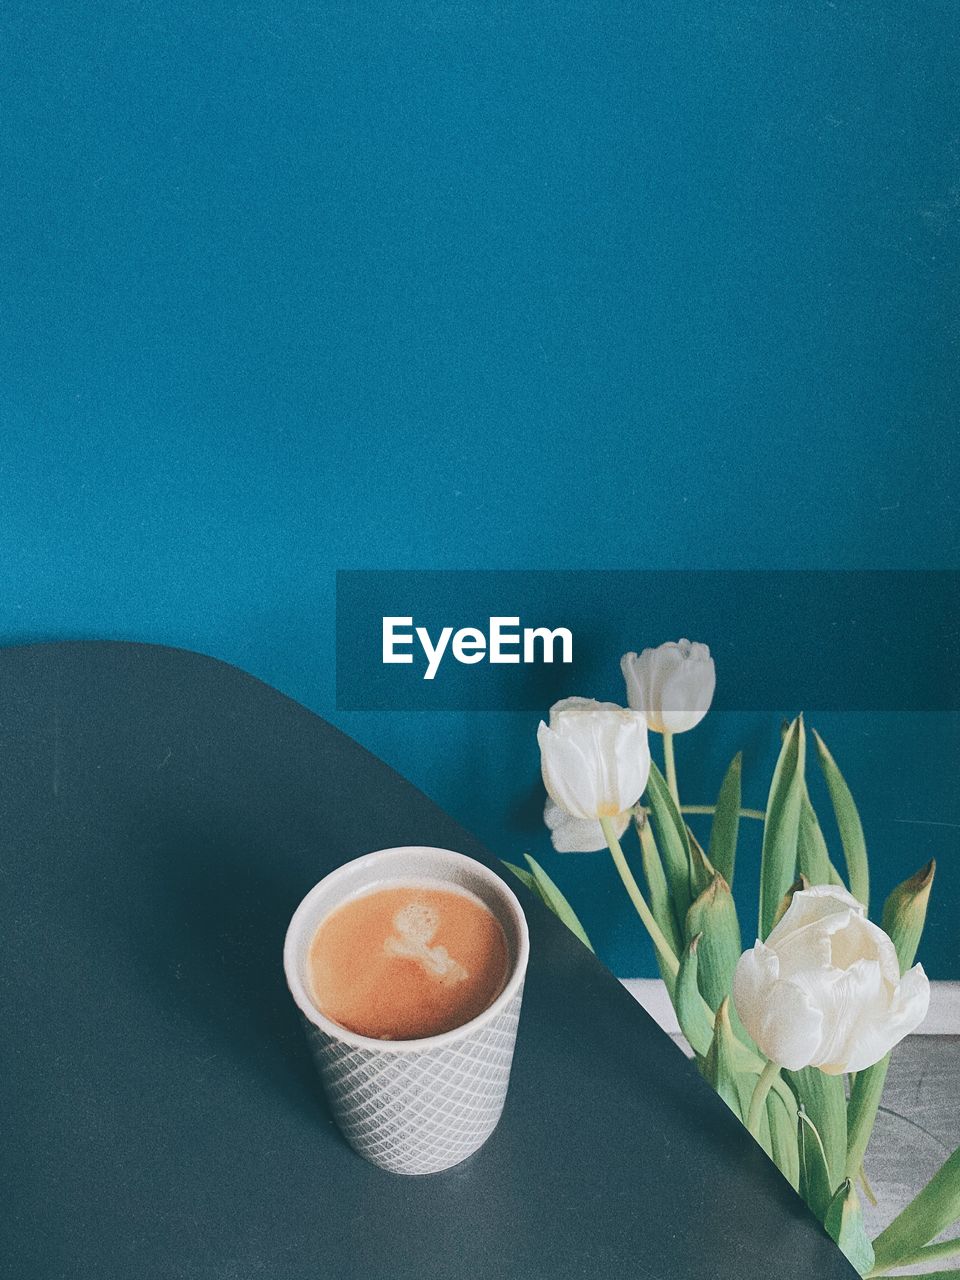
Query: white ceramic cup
[(413, 1106)]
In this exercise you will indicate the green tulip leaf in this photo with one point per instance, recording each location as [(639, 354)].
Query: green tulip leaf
[(844, 1222), (935, 1208), (862, 1110), (933, 1253), (721, 1068), (725, 828), (713, 916), (782, 1117), (825, 1106), (938, 1275), (848, 824), (692, 1014), (904, 915), (814, 1176), (778, 859), (555, 900), (673, 840), (525, 877), (813, 860), (734, 1070), (657, 887)]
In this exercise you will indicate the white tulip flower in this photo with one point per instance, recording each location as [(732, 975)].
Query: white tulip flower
[(825, 989), (594, 757), (579, 835), (672, 685)]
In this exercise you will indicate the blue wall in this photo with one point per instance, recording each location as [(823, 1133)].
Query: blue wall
[(305, 286)]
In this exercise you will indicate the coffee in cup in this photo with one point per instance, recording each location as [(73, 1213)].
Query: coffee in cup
[(408, 961)]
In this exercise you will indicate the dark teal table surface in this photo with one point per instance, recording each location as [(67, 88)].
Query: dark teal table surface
[(161, 816)]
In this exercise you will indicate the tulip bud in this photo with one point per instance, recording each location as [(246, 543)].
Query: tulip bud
[(825, 989), (594, 757), (673, 685), (713, 917), (905, 912), (579, 835)]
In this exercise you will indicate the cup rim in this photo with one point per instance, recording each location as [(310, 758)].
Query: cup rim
[(305, 1003)]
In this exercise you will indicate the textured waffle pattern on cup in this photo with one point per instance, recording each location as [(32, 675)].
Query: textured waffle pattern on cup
[(419, 1112)]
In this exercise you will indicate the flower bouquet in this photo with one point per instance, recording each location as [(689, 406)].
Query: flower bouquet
[(795, 1032)]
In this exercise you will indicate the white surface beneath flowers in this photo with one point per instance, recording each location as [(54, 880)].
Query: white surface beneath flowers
[(919, 1122), (943, 1018)]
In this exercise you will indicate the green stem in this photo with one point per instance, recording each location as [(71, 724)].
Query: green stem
[(658, 890), (667, 956), (761, 1089), (862, 1113), (670, 767), (712, 808)]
